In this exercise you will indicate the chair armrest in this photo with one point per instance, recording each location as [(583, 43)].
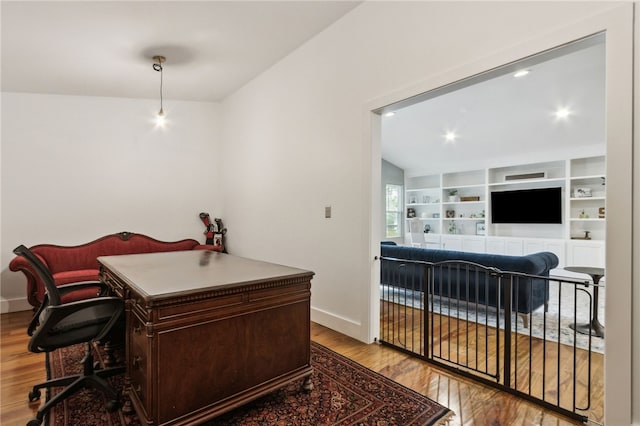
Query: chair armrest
[(71, 287)]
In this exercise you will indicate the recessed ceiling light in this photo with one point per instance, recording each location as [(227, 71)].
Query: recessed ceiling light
[(450, 136), (562, 113), (521, 73)]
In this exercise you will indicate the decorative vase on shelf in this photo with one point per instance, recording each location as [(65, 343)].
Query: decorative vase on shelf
[(452, 227), (453, 195)]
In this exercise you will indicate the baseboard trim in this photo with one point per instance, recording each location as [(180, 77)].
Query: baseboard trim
[(335, 322), (14, 305)]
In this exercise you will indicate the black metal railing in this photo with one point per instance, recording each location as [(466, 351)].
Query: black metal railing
[(511, 330)]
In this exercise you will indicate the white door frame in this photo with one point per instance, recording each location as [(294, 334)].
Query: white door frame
[(618, 27)]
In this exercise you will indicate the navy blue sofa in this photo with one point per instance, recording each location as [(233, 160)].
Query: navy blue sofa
[(466, 282)]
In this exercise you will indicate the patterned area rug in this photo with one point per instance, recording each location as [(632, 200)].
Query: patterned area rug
[(345, 393)]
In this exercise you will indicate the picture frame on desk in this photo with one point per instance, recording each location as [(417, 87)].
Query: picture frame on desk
[(481, 228)]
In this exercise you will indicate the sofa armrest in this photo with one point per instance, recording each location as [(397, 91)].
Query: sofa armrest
[(34, 283), (549, 259)]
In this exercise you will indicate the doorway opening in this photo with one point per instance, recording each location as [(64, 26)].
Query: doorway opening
[(535, 124)]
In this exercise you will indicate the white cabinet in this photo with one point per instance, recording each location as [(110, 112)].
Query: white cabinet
[(466, 243), (495, 245), (451, 242), (514, 247), (556, 247), (586, 253), (473, 244), (521, 246)]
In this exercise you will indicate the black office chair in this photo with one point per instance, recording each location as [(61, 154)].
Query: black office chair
[(58, 325)]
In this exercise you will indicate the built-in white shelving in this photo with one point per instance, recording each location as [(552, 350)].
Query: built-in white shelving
[(456, 208)]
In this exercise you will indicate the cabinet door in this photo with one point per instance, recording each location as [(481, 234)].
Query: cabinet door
[(586, 253), (507, 246), (473, 244), (451, 243), (556, 247), (533, 246), (495, 245), (514, 247)]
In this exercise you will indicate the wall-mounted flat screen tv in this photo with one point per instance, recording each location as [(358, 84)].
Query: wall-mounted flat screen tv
[(540, 205)]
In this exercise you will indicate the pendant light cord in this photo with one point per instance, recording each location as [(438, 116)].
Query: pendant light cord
[(161, 109), (158, 67)]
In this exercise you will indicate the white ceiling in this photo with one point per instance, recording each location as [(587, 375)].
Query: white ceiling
[(105, 48), (213, 48), (503, 119)]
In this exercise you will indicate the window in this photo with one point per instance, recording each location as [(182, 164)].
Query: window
[(393, 206)]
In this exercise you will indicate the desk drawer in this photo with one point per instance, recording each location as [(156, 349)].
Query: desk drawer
[(138, 363)]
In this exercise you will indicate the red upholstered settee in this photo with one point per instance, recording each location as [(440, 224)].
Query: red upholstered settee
[(70, 264)]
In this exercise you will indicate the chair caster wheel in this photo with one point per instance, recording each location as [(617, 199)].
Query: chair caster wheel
[(112, 406), (34, 422), (34, 396)]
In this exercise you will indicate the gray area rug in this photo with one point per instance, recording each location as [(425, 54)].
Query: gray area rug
[(552, 326)]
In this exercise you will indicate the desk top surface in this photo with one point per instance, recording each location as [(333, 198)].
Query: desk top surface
[(162, 274)]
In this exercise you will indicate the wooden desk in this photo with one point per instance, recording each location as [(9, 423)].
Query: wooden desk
[(208, 332)]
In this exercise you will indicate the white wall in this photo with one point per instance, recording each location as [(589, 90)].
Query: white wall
[(298, 137), (294, 136), (77, 168)]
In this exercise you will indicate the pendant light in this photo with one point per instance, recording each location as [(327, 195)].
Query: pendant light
[(157, 65)]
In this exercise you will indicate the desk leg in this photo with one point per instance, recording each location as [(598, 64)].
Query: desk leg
[(307, 384)]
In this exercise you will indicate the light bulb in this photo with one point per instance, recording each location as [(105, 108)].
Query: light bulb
[(562, 113), (161, 119)]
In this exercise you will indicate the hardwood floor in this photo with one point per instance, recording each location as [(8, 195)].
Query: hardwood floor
[(540, 368), (473, 403)]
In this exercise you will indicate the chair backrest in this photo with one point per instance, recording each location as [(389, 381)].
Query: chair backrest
[(42, 271)]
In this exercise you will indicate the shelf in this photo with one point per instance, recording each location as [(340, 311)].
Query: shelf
[(587, 198), (591, 177), (587, 219), (463, 202), (422, 189), (476, 219), (458, 187), (529, 182)]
